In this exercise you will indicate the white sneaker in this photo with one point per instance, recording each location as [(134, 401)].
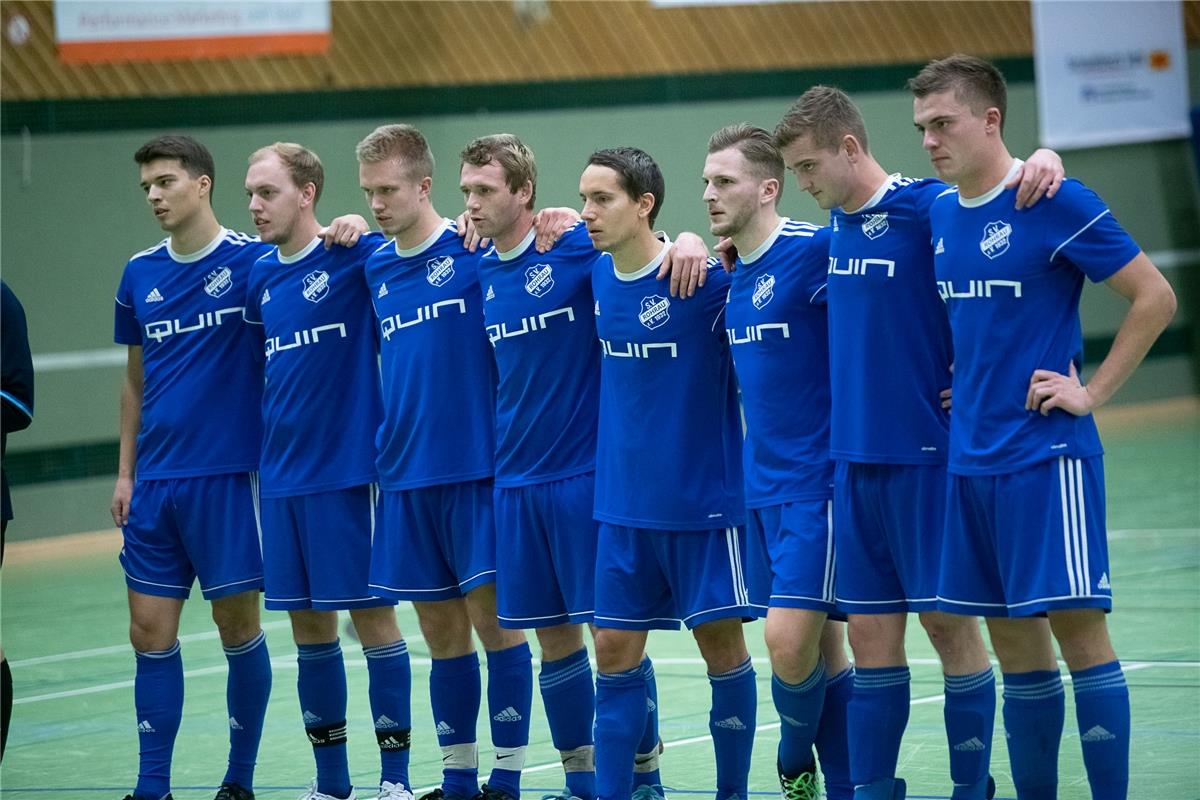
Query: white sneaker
[(312, 794), (394, 791)]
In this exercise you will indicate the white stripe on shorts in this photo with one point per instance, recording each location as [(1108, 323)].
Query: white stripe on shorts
[(827, 589), (256, 502), (1066, 520), (741, 596)]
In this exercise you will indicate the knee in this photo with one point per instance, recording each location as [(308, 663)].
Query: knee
[(722, 645), (617, 650), (1083, 638), (794, 650), (446, 628), (560, 641), (877, 641), (149, 634), (376, 626), (314, 627), (237, 620)]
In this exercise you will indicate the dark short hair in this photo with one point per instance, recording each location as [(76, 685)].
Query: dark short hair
[(756, 146), (825, 112), (976, 83), (192, 156), (513, 156), (636, 172)]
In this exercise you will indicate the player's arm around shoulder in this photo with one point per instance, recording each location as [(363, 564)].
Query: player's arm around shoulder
[(1040, 176), (687, 264)]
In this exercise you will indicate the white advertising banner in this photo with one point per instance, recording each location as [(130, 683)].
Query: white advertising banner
[(1110, 72)]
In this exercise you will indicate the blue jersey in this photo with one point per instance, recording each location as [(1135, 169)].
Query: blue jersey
[(439, 383), (889, 339), (1011, 281), (202, 386), (668, 454), (321, 400), (778, 330), (538, 308)]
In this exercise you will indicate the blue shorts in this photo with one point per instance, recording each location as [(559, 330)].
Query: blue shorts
[(1028, 542), (181, 529), (650, 579), (317, 549), (889, 521), (435, 542), (546, 553), (789, 556)]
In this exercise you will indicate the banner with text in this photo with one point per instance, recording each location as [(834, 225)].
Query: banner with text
[(91, 31), (1111, 72)]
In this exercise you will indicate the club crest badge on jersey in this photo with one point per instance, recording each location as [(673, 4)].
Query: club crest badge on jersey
[(439, 270), (995, 238), (218, 282), (655, 312), (875, 225), (316, 286), (764, 290), (539, 279)]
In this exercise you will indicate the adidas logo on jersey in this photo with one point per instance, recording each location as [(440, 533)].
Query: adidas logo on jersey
[(731, 723), (155, 296), (385, 721), (1097, 734), (266, 298), (491, 294), (508, 715), (311, 718), (443, 729), (941, 247), (383, 292), (972, 745), (1103, 582), (145, 727), (234, 725)]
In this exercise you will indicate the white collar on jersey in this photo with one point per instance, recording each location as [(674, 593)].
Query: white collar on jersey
[(994, 192), (522, 246), (409, 252), (887, 184), (757, 253), (649, 269), (199, 254), (308, 248)]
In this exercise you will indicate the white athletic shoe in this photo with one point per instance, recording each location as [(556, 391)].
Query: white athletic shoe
[(313, 794), (394, 791)]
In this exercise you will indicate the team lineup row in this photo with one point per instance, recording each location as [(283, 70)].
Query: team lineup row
[(545, 433)]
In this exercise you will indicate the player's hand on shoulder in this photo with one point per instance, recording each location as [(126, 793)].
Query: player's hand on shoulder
[(345, 231), (947, 395), (727, 252), (466, 231), (122, 496), (1049, 390), (550, 224), (686, 262), (1040, 176)]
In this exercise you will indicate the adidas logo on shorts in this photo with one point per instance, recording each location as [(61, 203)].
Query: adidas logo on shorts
[(972, 745), (311, 718), (145, 727), (1097, 734), (731, 723), (1103, 582), (443, 729), (508, 715), (385, 722)]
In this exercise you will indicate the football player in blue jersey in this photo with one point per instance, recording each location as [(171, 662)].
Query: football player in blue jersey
[(663, 557), (436, 540), (311, 312), (776, 322), (1025, 529), (186, 492), (890, 359)]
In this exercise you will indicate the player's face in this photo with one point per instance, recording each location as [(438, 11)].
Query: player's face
[(953, 136), (825, 173), (492, 206), (731, 191), (394, 197), (611, 215), (174, 196), (275, 201)]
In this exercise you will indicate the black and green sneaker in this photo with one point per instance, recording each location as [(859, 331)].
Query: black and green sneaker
[(805, 786)]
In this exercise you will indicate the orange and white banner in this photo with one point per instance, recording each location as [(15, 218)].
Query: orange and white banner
[(90, 31)]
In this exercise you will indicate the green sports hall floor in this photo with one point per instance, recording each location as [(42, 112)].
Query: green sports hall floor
[(64, 631)]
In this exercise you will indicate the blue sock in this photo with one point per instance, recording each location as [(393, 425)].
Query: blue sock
[(1034, 709), (1102, 710), (570, 700), (510, 701), (970, 714), (646, 770), (832, 745), (247, 692), (390, 691), (732, 721), (158, 700), (321, 684), (876, 718), (799, 706), (620, 720), (454, 694)]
